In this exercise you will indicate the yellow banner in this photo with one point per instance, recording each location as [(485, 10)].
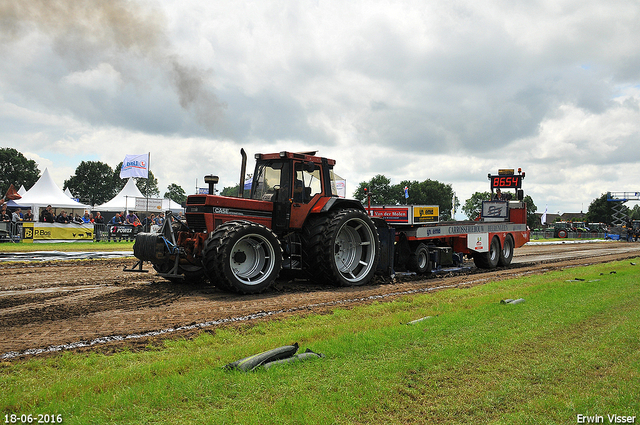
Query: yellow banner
[(428, 214), (57, 231)]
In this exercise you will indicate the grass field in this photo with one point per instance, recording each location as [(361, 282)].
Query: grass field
[(572, 348)]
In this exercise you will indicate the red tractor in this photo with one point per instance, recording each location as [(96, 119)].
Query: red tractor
[(293, 220)]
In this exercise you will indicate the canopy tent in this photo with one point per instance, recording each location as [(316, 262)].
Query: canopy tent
[(169, 204), (14, 204), (46, 192), (124, 200), (68, 193), (22, 190)]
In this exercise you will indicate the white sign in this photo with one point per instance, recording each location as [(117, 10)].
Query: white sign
[(495, 209), (478, 242), (148, 204)]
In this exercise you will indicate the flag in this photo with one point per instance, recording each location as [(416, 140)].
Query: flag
[(135, 166), (406, 192), (12, 194), (543, 219)]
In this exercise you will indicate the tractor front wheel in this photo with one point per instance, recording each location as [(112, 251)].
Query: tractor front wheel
[(243, 256)]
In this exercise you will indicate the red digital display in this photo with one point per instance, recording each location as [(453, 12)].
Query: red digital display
[(506, 182)]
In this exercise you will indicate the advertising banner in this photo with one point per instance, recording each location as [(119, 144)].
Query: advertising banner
[(426, 214), (148, 204), (398, 214), (46, 232)]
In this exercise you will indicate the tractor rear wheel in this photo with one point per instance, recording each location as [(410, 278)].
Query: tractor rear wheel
[(243, 256), (341, 247), (489, 259)]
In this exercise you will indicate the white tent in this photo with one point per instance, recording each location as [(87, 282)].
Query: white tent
[(124, 200), (68, 193), (169, 204), (22, 190), (46, 192)]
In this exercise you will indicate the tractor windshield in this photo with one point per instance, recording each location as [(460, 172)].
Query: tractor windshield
[(266, 180)]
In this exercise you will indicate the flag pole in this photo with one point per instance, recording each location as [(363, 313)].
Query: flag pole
[(148, 173)]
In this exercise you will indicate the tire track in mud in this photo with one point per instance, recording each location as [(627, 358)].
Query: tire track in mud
[(44, 308)]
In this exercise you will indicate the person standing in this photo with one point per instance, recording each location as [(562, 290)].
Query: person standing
[(98, 218)]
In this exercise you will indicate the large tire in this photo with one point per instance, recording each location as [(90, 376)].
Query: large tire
[(489, 259), (209, 253), (247, 257), (506, 254), (419, 261), (562, 233), (341, 248)]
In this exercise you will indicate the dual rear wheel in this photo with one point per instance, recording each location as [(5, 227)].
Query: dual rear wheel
[(496, 256)]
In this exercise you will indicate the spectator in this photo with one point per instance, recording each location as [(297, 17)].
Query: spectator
[(148, 220), (4, 215), (117, 219), (131, 218), (98, 218), (28, 216), (46, 216), (160, 219), (63, 218), (77, 219), (17, 216), (86, 218)]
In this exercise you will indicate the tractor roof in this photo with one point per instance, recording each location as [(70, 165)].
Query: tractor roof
[(305, 156)]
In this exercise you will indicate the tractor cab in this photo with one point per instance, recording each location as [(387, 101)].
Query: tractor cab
[(294, 182)]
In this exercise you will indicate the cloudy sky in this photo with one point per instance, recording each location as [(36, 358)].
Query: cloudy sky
[(442, 90)]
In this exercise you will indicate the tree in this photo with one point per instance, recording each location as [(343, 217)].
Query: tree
[(601, 210), (16, 170), (176, 194), (473, 206), (532, 218), (91, 183), (379, 189), (141, 183), (635, 212), (428, 192)]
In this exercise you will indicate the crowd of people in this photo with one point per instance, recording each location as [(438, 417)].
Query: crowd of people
[(47, 215), (133, 220), (16, 215)]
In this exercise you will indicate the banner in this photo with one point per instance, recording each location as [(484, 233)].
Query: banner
[(148, 204), (135, 166), (35, 232)]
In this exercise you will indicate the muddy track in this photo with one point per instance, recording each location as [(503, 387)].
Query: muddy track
[(67, 302)]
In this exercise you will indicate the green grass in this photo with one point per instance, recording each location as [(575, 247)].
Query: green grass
[(62, 246), (572, 348)]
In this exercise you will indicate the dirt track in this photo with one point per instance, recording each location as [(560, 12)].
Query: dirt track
[(95, 303)]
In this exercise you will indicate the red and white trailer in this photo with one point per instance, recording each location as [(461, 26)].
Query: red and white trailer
[(422, 243)]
